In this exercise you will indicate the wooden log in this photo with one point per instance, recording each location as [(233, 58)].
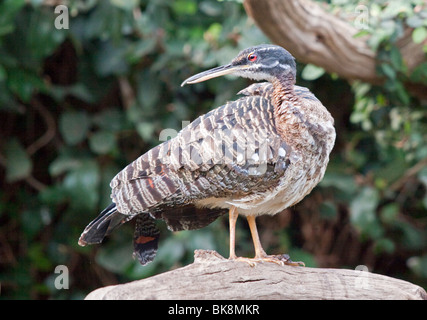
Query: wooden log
[(213, 277)]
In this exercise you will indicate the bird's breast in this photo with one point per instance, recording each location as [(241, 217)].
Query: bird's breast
[(309, 133)]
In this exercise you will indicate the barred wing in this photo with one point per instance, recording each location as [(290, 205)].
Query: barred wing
[(230, 152)]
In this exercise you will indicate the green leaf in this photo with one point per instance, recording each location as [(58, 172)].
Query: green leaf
[(384, 245), (3, 73), (115, 257), (141, 49), (422, 176), (340, 181), (210, 8), (214, 31), (172, 250), (388, 70), (184, 7), (419, 74), (378, 37), (145, 130), (312, 72), (110, 58), (412, 238), (396, 58), (149, 90), (393, 170), (33, 220), (362, 212), (18, 163), (128, 5), (81, 185), (419, 34), (415, 21), (8, 9), (78, 90), (418, 265), (74, 126), (24, 83), (53, 195), (361, 33), (361, 89), (402, 93), (389, 213), (102, 142), (63, 164), (328, 210), (38, 257), (110, 120)]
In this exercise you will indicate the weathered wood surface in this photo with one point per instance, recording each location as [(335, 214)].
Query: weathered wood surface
[(214, 277)]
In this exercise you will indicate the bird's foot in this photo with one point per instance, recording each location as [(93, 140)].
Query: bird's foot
[(251, 261), (280, 259)]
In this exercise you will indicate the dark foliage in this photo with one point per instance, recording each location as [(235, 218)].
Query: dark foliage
[(78, 104)]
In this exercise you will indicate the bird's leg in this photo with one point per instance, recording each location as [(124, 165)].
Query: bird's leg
[(233, 214), (259, 251), (260, 254), (232, 225)]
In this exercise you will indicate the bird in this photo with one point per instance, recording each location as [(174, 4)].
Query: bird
[(257, 155)]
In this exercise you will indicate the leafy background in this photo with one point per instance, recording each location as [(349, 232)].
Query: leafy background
[(78, 104)]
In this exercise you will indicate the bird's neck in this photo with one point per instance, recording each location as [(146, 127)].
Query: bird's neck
[(287, 107), (300, 120), (283, 91)]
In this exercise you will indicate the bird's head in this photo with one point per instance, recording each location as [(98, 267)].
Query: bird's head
[(263, 62)]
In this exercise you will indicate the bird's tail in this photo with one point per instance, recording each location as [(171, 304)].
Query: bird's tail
[(102, 225), (145, 239)]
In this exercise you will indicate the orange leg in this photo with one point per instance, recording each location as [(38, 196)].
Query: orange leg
[(260, 254), (233, 214), (259, 251)]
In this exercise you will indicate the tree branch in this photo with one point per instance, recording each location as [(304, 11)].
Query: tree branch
[(50, 128), (213, 277), (316, 36)]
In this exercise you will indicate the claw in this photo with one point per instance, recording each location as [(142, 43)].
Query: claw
[(283, 259)]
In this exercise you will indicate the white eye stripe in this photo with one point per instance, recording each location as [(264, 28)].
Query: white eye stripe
[(267, 48), (284, 66), (274, 65)]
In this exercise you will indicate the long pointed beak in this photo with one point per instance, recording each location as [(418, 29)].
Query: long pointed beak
[(212, 73)]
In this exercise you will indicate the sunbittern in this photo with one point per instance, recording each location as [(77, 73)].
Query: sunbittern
[(257, 155)]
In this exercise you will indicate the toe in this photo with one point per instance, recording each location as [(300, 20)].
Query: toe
[(282, 259)]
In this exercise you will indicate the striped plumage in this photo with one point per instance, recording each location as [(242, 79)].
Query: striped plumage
[(257, 155)]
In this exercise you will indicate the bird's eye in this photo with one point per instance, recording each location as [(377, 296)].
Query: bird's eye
[(252, 57)]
